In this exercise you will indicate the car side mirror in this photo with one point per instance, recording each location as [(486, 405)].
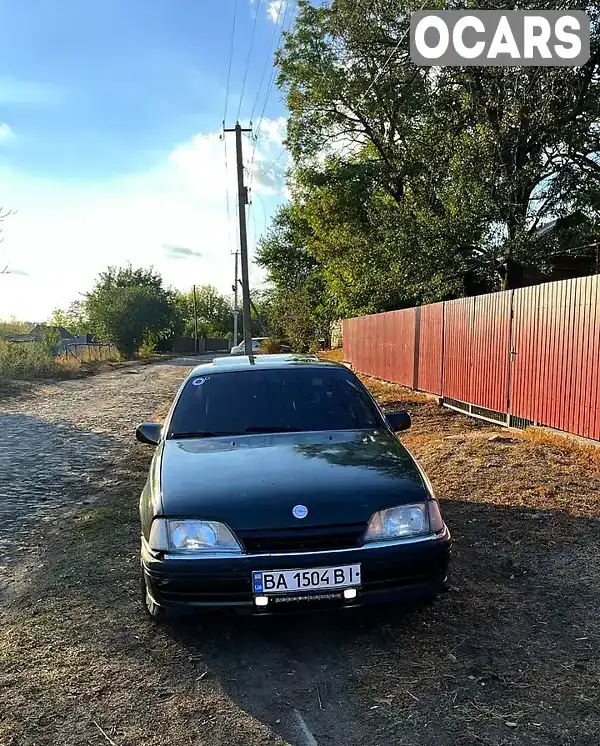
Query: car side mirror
[(149, 433), (398, 421)]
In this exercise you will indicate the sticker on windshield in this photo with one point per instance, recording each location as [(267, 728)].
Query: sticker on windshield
[(200, 381)]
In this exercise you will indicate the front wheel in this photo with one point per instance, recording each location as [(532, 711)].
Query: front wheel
[(152, 609)]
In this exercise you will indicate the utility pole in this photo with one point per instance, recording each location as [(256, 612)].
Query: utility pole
[(243, 201), (195, 320), (258, 318), (236, 308)]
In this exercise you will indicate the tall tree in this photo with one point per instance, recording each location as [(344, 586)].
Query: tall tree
[(296, 306), (131, 308), (475, 159)]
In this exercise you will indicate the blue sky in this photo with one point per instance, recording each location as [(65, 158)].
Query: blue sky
[(109, 140)]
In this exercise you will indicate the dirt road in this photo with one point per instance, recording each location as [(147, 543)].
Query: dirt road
[(58, 440), (508, 657)]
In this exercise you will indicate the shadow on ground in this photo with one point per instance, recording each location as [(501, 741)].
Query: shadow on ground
[(506, 657)]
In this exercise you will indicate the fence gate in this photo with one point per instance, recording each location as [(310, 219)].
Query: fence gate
[(555, 356)]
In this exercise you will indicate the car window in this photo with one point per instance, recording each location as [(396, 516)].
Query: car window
[(293, 399)]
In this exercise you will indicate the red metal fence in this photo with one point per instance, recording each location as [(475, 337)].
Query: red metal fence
[(523, 356)]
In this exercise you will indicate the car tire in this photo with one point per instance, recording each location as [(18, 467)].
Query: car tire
[(152, 609)]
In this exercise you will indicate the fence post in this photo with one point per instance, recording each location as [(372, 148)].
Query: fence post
[(443, 365), (417, 347), (509, 360)]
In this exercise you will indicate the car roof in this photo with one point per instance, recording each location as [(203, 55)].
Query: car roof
[(264, 362)]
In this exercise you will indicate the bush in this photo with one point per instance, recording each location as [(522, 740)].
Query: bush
[(148, 349), (25, 360), (270, 346)]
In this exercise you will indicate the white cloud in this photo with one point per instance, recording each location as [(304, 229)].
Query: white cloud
[(276, 9), (6, 132), (273, 130), (270, 162), (65, 233)]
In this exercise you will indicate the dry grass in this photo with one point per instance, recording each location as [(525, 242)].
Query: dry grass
[(337, 355), (389, 394), (508, 657), (586, 452), (31, 360), (90, 354)]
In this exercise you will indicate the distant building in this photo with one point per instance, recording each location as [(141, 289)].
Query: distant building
[(36, 334), (39, 329)]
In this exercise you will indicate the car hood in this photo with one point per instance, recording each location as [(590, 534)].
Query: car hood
[(255, 481)]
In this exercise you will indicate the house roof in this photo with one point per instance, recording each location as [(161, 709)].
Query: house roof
[(17, 338), (39, 329)]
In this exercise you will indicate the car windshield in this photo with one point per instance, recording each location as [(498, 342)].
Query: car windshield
[(272, 401)]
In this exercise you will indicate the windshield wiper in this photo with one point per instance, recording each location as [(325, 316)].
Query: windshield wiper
[(274, 429), (246, 431), (199, 434)]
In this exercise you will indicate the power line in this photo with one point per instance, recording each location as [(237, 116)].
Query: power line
[(249, 57), (264, 207), (230, 61), (227, 187), (288, 5), (268, 59), (275, 162), (279, 157), (389, 59), (378, 75)]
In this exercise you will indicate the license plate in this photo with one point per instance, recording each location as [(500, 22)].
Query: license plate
[(266, 582)]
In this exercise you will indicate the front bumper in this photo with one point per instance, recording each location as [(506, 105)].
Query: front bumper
[(401, 571)]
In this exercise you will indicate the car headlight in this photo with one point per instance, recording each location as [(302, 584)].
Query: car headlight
[(192, 537), (405, 521)]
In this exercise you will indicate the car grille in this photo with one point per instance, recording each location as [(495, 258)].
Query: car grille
[(221, 590), (309, 539)]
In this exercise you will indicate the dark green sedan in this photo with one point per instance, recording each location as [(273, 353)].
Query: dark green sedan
[(278, 484)]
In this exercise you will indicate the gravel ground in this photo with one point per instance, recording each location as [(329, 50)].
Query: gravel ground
[(57, 440), (509, 656)]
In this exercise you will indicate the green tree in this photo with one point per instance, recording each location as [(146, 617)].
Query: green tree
[(14, 326), (296, 304), (429, 178), (214, 312), (73, 318), (50, 339), (131, 308)]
